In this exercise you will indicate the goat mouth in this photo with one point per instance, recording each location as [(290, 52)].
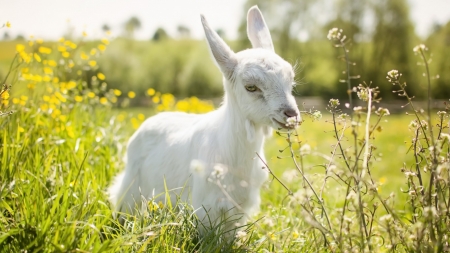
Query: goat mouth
[(283, 125)]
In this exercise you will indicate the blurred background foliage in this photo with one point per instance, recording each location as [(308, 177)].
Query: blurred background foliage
[(181, 65)]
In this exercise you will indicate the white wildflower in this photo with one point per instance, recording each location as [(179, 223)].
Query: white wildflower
[(305, 149), (429, 211), (409, 173), (317, 115), (413, 124), (240, 235), (424, 124), (382, 111), (334, 103), (393, 75), (419, 48), (289, 175), (197, 166), (441, 113), (334, 34), (363, 94), (386, 218), (219, 171), (357, 108), (292, 122)]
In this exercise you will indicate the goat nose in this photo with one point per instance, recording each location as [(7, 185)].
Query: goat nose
[(290, 113)]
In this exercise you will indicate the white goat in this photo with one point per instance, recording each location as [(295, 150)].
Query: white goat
[(182, 152)]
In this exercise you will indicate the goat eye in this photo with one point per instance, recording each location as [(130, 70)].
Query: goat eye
[(251, 88)]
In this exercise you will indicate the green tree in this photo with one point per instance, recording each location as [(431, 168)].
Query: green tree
[(393, 41), (439, 44), (131, 26), (160, 35)]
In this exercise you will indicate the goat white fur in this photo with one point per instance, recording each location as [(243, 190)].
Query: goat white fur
[(183, 152)]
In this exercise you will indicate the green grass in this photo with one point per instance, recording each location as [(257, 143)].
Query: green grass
[(53, 185), (64, 143)]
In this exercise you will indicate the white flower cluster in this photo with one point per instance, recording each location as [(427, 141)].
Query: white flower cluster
[(393, 75), (363, 94), (305, 149), (334, 103), (292, 122), (383, 111), (419, 48), (317, 115), (335, 34)]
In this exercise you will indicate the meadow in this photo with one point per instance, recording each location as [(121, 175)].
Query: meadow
[(341, 182)]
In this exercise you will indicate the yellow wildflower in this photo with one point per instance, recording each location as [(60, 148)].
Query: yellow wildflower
[(135, 123), (55, 113), (5, 94), (141, 117), (20, 129), (70, 132), (44, 107), (25, 57), (20, 48), (16, 101), (131, 94), (155, 99), (37, 78), (105, 41), (117, 92), (60, 97), (71, 85), (63, 118), (62, 49), (65, 54), (151, 92), (103, 101), (101, 76), (31, 86), (45, 50), (93, 51), (52, 63), (84, 34), (92, 63), (182, 105), (48, 70), (39, 41), (84, 56), (70, 44), (101, 47), (91, 94), (8, 24), (78, 98)]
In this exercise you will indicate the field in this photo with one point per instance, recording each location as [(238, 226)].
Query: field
[(64, 133)]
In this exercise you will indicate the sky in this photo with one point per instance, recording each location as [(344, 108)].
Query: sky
[(50, 19)]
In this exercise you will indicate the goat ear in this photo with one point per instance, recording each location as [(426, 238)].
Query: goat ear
[(223, 55), (257, 30)]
